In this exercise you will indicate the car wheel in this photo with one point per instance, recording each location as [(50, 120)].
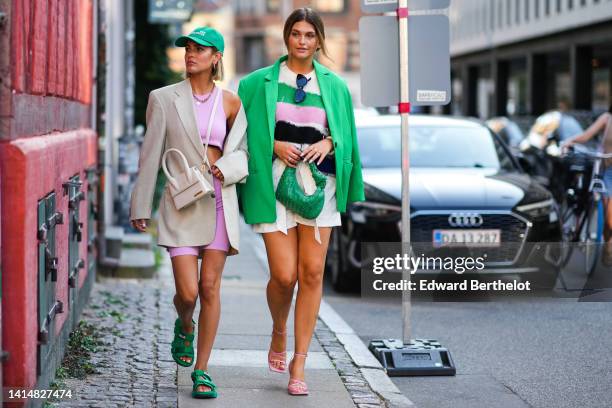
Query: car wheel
[(337, 262)]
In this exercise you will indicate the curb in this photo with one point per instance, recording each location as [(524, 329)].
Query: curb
[(364, 360), (369, 366)]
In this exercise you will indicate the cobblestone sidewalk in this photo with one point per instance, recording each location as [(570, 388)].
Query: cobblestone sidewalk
[(133, 364)]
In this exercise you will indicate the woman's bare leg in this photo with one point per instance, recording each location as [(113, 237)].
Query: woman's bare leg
[(607, 202), (311, 265), (185, 270), (282, 260), (213, 262)]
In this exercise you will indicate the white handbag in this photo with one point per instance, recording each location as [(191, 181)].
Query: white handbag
[(190, 185)]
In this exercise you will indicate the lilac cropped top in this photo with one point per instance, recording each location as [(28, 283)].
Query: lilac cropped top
[(203, 111)]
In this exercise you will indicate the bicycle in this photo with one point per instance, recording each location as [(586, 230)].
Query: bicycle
[(582, 210)]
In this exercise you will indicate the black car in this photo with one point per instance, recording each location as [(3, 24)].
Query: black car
[(463, 183)]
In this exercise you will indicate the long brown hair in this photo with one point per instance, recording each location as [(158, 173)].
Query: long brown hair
[(310, 16)]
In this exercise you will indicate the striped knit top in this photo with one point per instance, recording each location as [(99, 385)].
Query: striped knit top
[(305, 122)]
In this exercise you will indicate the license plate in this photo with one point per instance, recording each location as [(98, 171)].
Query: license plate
[(465, 237)]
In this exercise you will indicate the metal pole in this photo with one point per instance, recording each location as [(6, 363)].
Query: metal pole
[(404, 113)]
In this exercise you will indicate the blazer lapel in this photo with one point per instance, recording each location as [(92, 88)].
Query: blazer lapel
[(271, 91), (186, 112), (325, 86)]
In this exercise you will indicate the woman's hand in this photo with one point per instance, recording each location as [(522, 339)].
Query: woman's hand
[(288, 153), (317, 151), (140, 225), (217, 173), (566, 145)]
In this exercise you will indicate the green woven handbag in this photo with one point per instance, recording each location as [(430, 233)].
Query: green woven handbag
[(291, 195)]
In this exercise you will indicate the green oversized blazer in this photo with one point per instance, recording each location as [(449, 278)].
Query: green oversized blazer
[(259, 92)]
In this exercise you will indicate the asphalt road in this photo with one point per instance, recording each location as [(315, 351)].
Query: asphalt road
[(509, 352)]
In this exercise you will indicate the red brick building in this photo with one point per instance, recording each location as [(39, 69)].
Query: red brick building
[(48, 162)]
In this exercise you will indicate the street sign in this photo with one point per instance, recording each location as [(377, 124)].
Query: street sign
[(169, 11), (385, 6), (428, 56), (380, 72), (419, 45)]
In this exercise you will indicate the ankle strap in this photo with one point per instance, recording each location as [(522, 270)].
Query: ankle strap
[(300, 354)]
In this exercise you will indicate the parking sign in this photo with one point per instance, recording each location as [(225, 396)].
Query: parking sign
[(385, 6), (428, 63)]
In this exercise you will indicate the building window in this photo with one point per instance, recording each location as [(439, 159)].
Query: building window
[(457, 102), (602, 82), (508, 13), (273, 6), (329, 6), (517, 88), (255, 57)]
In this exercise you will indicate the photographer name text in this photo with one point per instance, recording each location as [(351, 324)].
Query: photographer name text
[(467, 284)]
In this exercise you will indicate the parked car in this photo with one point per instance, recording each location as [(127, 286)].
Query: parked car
[(463, 183)]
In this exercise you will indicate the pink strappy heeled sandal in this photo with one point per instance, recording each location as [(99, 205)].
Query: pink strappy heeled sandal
[(277, 361), (297, 387)]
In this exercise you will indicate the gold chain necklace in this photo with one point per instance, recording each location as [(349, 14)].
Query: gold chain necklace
[(204, 100)]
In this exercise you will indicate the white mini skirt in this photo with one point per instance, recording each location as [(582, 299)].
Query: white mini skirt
[(287, 219)]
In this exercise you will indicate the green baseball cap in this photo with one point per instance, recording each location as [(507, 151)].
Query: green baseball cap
[(206, 36)]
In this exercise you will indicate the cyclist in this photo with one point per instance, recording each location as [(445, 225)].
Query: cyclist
[(603, 123)]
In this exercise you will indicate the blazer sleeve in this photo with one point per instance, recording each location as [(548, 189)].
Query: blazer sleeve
[(150, 160), (234, 164), (355, 188)]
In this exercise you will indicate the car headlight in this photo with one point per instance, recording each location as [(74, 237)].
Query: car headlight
[(540, 209), (378, 204), (380, 210), (375, 195)]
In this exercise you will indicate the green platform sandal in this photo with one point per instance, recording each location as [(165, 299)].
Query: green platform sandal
[(182, 345), (199, 378)]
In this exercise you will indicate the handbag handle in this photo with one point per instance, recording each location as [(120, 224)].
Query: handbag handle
[(211, 119), (171, 179)]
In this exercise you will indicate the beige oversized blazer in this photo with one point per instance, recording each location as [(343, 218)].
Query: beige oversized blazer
[(171, 122)]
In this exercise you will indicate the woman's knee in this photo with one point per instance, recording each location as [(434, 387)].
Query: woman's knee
[(285, 282), (209, 289), (188, 297), (311, 273)]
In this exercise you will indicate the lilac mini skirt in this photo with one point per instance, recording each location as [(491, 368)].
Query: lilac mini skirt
[(221, 239)]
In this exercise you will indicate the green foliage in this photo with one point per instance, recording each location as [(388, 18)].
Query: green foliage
[(84, 341)]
